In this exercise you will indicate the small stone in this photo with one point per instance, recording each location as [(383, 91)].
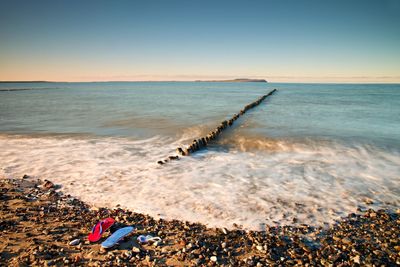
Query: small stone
[(356, 259), (90, 255), (48, 185), (214, 259), (32, 258), (128, 254), (136, 250), (346, 240), (77, 258), (75, 242), (223, 245), (260, 248)]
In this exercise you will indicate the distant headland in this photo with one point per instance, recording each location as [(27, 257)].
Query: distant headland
[(241, 80)]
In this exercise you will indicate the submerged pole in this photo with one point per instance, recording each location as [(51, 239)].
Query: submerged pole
[(202, 142)]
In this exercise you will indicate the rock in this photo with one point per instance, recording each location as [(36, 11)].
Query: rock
[(260, 248), (75, 242), (91, 255), (356, 259), (135, 250), (346, 241), (48, 185), (214, 258), (102, 250), (128, 254), (77, 258), (49, 263)]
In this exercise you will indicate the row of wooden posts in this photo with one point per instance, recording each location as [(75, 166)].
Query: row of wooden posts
[(212, 135)]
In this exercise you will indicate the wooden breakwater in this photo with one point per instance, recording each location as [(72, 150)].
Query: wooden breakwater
[(202, 142)]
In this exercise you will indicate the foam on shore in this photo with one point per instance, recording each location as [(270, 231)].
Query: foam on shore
[(284, 182)]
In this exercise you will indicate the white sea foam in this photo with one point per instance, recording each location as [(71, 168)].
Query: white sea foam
[(314, 182)]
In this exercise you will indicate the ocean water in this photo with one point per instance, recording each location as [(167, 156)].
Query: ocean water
[(311, 153)]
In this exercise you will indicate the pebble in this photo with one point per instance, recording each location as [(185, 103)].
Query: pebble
[(214, 258), (356, 259), (75, 242), (135, 250), (346, 241), (128, 254)]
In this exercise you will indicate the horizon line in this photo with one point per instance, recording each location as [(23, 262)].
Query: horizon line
[(211, 81)]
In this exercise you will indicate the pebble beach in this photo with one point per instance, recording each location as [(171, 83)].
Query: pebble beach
[(41, 226)]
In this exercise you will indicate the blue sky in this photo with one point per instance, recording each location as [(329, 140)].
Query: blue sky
[(332, 41)]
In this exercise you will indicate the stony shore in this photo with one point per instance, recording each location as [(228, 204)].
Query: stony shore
[(37, 224)]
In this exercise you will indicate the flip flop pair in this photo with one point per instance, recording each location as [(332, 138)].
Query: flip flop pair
[(99, 229)]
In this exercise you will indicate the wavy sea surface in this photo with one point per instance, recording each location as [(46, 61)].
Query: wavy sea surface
[(310, 153)]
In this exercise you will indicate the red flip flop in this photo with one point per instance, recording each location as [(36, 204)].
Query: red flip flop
[(99, 229)]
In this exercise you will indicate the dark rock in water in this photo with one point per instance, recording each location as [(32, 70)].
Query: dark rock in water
[(204, 141), (160, 162), (180, 150)]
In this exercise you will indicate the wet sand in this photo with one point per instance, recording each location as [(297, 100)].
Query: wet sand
[(38, 222)]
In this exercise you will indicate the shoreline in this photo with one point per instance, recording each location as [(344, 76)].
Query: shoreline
[(38, 223)]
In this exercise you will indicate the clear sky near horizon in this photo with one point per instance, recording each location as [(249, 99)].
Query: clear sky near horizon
[(282, 40)]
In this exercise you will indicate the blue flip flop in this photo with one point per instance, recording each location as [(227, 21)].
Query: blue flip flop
[(117, 236)]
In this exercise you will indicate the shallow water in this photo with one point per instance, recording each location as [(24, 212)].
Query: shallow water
[(310, 153)]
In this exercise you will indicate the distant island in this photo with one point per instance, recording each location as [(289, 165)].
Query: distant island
[(241, 80)]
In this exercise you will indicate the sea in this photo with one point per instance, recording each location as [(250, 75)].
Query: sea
[(309, 154)]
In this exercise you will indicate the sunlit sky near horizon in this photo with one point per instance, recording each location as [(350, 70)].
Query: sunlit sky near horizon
[(281, 41)]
